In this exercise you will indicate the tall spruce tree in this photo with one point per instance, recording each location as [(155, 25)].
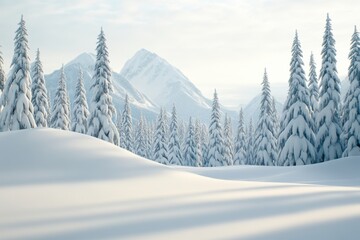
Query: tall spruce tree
[(240, 142), (80, 111), (39, 94), (328, 144), (175, 153), (296, 138), (313, 88), (190, 151), (126, 130), (100, 122), (16, 97), (216, 142), (60, 116), (265, 138), (2, 74), (160, 140), (351, 108), (228, 153)]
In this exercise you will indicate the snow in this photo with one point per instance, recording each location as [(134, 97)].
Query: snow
[(65, 185)]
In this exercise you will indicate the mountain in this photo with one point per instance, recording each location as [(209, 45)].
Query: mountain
[(166, 85), (139, 102), (252, 109)]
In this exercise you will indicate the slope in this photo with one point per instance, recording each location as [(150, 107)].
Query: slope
[(61, 185), (166, 85), (138, 101)]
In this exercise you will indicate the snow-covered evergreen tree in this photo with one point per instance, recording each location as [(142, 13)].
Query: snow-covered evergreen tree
[(80, 111), (240, 142), (216, 142), (199, 157), (175, 153), (204, 139), (276, 126), (228, 152), (351, 108), (250, 145), (39, 94), (100, 122), (190, 150), (182, 133), (16, 97), (60, 115), (160, 140), (141, 138), (265, 136), (328, 144), (2, 74), (126, 130), (149, 140), (313, 88), (296, 138)]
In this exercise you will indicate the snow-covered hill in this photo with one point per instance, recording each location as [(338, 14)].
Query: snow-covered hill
[(61, 185), (167, 85), (139, 102)]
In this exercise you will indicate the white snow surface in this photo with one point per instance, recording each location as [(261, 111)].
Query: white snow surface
[(58, 184)]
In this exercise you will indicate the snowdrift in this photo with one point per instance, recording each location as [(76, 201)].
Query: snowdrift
[(61, 185)]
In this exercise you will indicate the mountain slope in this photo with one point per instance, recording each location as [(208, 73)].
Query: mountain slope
[(166, 85), (64, 185), (138, 101)]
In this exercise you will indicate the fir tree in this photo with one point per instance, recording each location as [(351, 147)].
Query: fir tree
[(160, 140), (190, 152), (328, 145), (39, 98), (140, 138), (276, 125), (351, 108), (16, 97), (80, 111), (175, 154), (60, 116), (228, 152), (250, 145), (204, 139), (240, 142), (199, 157), (313, 87), (149, 141), (296, 138), (2, 74), (265, 138), (216, 142), (126, 130), (100, 123)]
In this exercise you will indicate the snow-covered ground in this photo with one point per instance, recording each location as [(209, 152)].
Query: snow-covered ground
[(61, 185)]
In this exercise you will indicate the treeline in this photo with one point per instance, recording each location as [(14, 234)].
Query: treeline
[(315, 126)]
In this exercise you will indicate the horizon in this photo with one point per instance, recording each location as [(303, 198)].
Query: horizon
[(216, 45)]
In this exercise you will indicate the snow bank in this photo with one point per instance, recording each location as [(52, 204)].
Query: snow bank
[(61, 185)]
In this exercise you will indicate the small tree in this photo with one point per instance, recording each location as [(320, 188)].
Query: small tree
[(160, 140), (140, 138), (175, 154), (60, 116), (2, 73), (190, 153), (228, 142), (240, 142), (250, 145), (80, 108), (126, 130)]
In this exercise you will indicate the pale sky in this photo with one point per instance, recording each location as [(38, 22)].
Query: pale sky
[(222, 44)]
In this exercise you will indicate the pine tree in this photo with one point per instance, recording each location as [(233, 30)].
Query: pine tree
[(16, 97), (276, 126), (100, 123), (126, 130), (265, 138), (204, 139), (149, 141), (140, 138), (250, 145), (60, 116), (2, 74), (39, 95), (190, 152), (296, 138), (328, 145), (182, 133), (351, 108), (216, 142), (160, 140), (199, 157), (240, 142), (80, 111), (175, 153), (228, 152), (313, 87)]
